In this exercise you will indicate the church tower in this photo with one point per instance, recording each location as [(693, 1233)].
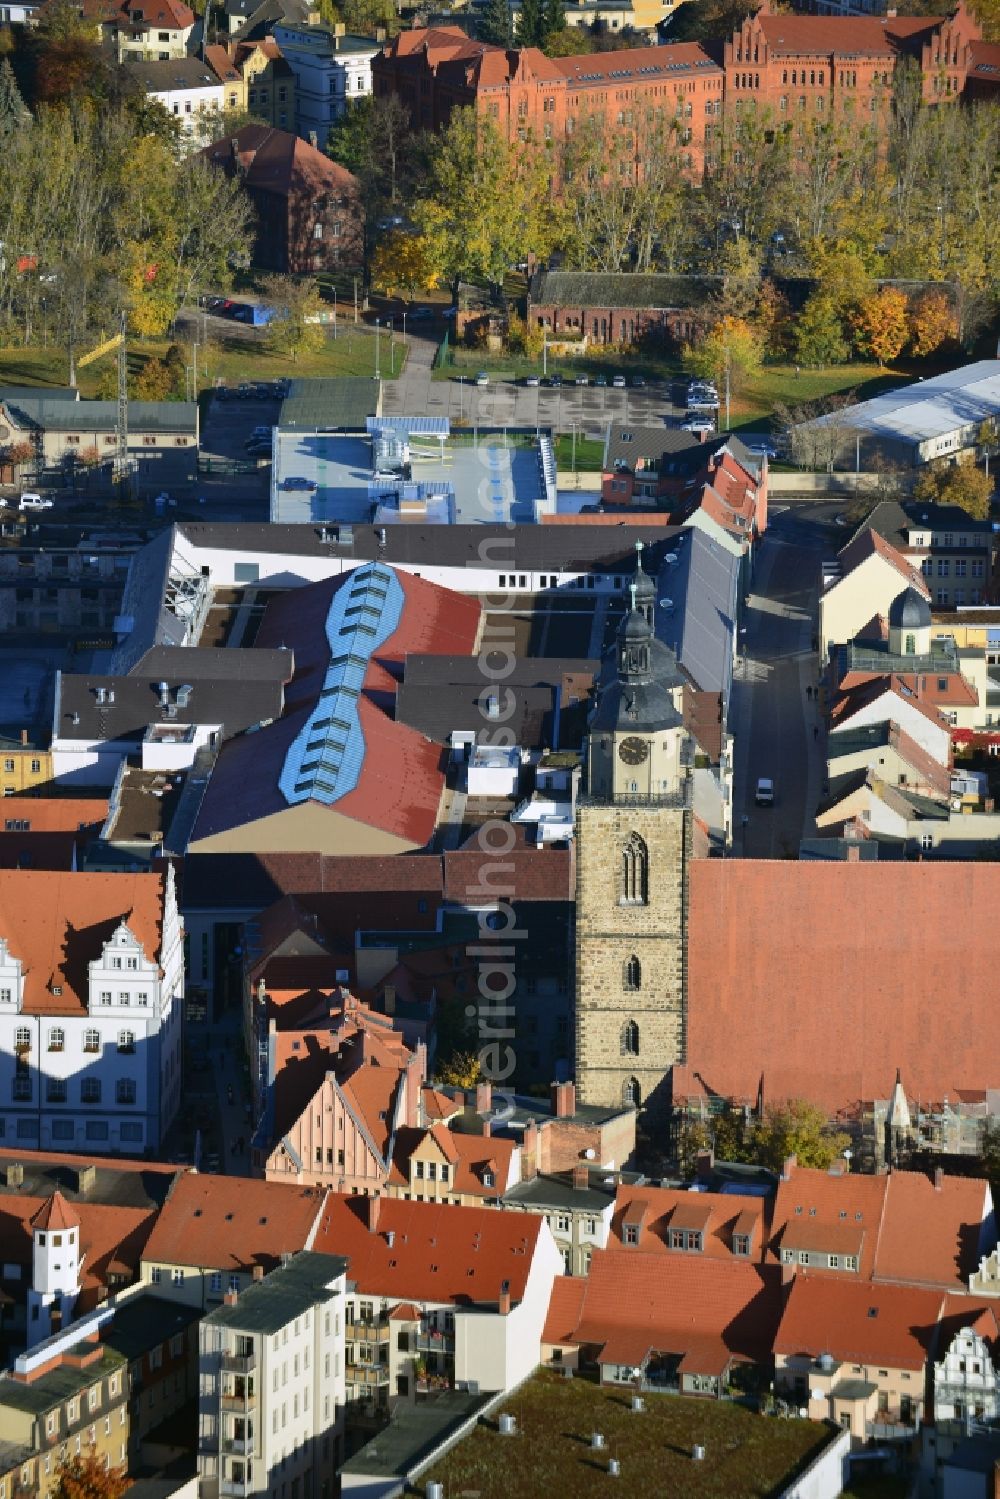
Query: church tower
[(633, 849)]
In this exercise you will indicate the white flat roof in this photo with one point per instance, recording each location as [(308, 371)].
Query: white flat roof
[(929, 408)]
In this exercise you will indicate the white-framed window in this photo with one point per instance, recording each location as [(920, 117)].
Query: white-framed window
[(57, 1038), (92, 1041), (126, 1041)]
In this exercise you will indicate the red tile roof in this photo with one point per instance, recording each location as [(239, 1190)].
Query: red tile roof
[(835, 1016), (55, 1213), (54, 814), (909, 1231), (57, 922), (846, 36), (716, 1213), (438, 1253), (705, 1309), (892, 1326), (565, 1308), (674, 55), (275, 161), (112, 1239), (869, 543), (232, 1223), (468, 1155)]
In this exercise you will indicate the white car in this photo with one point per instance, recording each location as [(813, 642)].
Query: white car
[(618, 383), (482, 378), (698, 424), (31, 501), (764, 795)]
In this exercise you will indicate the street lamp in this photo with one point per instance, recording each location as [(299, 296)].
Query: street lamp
[(377, 370), (335, 314)]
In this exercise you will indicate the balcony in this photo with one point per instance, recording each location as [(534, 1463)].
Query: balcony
[(239, 1398), (367, 1332), (239, 1486), (369, 1376), (435, 1342), (238, 1446), (239, 1363)]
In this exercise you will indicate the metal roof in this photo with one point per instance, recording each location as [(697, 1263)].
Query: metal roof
[(701, 586), (929, 408), (333, 405), (268, 1305)]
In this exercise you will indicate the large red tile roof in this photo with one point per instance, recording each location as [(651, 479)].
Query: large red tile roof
[(891, 976), (57, 922), (565, 1308), (54, 814), (232, 1223), (664, 1208), (440, 1253), (846, 36), (703, 1308), (112, 1240), (859, 1324), (276, 161)]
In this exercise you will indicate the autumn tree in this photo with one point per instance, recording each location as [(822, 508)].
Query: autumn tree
[(730, 353), (402, 264), (880, 324), (13, 115), (932, 323), (463, 1069), (295, 328), (962, 484), (87, 1478), (800, 1129), (154, 381)]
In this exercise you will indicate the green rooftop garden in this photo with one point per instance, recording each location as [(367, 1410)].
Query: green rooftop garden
[(747, 1456)]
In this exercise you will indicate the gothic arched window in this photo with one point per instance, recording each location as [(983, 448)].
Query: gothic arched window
[(635, 872), (632, 973), (630, 1039), (631, 1093)]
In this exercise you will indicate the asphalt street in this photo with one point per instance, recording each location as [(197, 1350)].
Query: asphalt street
[(776, 722)]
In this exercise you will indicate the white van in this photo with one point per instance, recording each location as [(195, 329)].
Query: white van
[(764, 795), (30, 501)]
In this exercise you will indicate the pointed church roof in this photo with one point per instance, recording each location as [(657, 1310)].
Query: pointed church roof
[(55, 1214)]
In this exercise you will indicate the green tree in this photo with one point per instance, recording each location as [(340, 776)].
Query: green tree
[(963, 484), (554, 18), (731, 351), (13, 115), (800, 1129), (297, 303), (487, 205), (571, 41), (531, 23), (494, 23), (819, 333)]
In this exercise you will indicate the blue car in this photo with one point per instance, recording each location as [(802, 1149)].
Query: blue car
[(298, 482)]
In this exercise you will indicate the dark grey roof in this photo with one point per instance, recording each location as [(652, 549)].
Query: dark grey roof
[(234, 701), (143, 603), (177, 72), (627, 441), (854, 741), (894, 521), (703, 591), (839, 850), (637, 699), (143, 1322), (438, 711), (559, 1192), (124, 1187), (415, 1432), (51, 412), (599, 549), (334, 405), (607, 289), (205, 663), (17, 393), (270, 1304), (58, 1384), (909, 610)]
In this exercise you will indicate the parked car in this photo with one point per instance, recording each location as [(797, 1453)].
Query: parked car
[(699, 424), (482, 378), (297, 481), (261, 431), (532, 380), (31, 501), (555, 381), (762, 449), (601, 380), (619, 382), (764, 795), (638, 382), (582, 380)]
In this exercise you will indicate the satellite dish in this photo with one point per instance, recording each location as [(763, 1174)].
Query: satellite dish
[(671, 558), (667, 604)]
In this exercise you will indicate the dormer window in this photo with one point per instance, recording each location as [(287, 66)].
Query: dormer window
[(630, 1233), (488, 1179), (741, 1245)]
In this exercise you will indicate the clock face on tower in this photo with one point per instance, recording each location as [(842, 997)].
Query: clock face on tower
[(633, 751)]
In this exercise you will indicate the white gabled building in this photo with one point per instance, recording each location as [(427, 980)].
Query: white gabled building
[(91, 995), (271, 1401)]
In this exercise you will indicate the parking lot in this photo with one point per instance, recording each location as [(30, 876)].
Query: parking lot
[(233, 416)]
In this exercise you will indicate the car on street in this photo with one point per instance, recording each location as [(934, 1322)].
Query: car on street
[(482, 378), (619, 382), (582, 380), (555, 381), (297, 481), (764, 794), (601, 380), (699, 424), (31, 501), (532, 380), (638, 382), (260, 431), (762, 449)]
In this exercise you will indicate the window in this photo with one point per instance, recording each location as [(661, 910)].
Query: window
[(56, 1090), (92, 1041), (21, 1087), (635, 872), (57, 1039), (90, 1090), (630, 1233), (630, 1039), (125, 1090), (631, 1093), (632, 978), (22, 1039), (126, 1041), (178, 1276)]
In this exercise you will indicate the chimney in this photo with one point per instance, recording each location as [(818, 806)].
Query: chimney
[(14, 1174), (504, 1304), (314, 140), (86, 1177), (563, 1097), (487, 1129), (529, 1151), (484, 1098), (258, 1272), (230, 1298), (938, 1178), (704, 1164), (581, 1176), (373, 1208), (24, 736), (854, 854), (788, 1165)]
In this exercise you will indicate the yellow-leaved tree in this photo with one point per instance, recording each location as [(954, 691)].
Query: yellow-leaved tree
[(402, 264), (881, 325)]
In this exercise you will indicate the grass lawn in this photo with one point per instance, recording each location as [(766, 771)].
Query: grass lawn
[(747, 1456), (229, 359), (779, 383), (589, 454)]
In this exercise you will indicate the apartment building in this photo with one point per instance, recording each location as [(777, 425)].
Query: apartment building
[(271, 1401), (91, 995), (332, 69)]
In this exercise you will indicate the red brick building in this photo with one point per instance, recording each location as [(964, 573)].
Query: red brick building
[(797, 65)]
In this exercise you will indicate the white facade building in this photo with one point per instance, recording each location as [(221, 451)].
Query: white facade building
[(966, 1380), (91, 997), (331, 69), (271, 1388), (55, 1268)]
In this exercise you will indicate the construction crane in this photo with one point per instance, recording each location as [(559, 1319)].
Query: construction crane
[(121, 467)]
